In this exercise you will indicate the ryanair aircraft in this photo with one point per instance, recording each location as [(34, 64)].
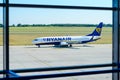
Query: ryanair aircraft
[(69, 40)]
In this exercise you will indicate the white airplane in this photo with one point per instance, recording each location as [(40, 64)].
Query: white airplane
[(69, 40)]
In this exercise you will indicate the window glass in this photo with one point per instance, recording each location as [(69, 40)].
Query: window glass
[(102, 3), (1, 1), (59, 16), (27, 25)]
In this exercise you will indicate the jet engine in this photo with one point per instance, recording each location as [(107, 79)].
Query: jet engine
[(64, 44)]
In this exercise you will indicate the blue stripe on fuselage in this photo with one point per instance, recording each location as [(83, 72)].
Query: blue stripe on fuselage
[(91, 40), (49, 43)]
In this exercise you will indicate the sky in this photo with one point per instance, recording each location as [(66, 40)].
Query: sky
[(59, 16)]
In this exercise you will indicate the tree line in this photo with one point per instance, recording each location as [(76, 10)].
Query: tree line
[(57, 25)]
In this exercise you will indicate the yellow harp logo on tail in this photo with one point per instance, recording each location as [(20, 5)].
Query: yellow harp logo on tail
[(98, 30)]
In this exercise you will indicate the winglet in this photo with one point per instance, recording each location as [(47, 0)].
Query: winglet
[(97, 31)]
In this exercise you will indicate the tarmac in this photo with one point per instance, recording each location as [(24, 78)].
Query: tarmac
[(23, 57)]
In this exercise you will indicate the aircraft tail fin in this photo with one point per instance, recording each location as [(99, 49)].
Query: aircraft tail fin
[(97, 31)]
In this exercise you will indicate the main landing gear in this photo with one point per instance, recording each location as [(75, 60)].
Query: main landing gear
[(70, 45), (38, 45)]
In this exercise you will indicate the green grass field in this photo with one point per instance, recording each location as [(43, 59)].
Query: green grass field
[(25, 35)]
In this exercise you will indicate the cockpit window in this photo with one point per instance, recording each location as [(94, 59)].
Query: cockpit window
[(35, 39)]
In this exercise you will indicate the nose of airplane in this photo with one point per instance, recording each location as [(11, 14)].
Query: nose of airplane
[(35, 41)]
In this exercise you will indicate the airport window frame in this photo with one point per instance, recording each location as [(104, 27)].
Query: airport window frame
[(116, 42)]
